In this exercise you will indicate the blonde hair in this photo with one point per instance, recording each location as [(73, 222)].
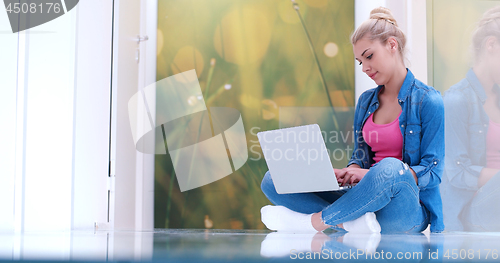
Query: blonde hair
[(488, 26), (381, 26)]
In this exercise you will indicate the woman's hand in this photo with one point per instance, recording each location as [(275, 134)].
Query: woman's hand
[(350, 175)]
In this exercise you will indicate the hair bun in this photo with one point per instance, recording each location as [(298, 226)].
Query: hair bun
[(383, 13), (490, 15)]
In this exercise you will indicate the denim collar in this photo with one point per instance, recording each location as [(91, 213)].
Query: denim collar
[(476, 85), (404, 91)]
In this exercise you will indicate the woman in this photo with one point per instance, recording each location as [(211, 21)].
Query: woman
[(471, 185), (398, 170)]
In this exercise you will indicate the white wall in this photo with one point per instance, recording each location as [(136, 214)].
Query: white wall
[(144, 217), (8, 88), (417, 42), (55, 106), (133, 172), (49, 82), (92, 113), (125, 85), (55, 138)]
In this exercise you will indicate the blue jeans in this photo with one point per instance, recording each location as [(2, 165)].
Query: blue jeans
[(481, 213), (388, 189)]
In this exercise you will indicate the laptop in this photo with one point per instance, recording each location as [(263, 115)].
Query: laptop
[(298, 160)]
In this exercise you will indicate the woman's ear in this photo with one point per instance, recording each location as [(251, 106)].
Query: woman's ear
[(392, 44), (491, 44)]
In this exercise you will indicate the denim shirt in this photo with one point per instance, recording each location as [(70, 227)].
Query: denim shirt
[(466, 128), (422, 126)]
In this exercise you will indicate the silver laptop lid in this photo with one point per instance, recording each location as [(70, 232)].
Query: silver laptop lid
[(298, 160)]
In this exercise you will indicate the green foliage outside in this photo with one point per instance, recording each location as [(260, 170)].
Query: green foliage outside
[(254, 56)]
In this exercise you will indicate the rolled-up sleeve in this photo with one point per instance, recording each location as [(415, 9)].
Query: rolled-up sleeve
[(432, 144), (461, 172), (355, 160)]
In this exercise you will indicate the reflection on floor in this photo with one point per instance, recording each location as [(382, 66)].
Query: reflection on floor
[(246, 245)]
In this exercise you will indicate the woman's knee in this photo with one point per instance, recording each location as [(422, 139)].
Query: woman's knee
[(390, 162), (388, 169)]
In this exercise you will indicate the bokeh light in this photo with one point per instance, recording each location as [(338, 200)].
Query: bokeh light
[(331, 49), (186, 59), (243, 35)]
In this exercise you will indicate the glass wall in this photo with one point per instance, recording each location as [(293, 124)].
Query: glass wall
[(464, 63), (451, 27), (259, 57)]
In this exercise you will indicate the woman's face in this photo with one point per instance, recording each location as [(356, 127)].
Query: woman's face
[(378, 60), (489, 59)]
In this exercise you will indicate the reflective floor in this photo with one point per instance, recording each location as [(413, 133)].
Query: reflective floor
[(171, 245)]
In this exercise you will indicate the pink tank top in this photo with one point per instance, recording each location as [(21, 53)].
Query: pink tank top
[(493, 146), (384, 139)]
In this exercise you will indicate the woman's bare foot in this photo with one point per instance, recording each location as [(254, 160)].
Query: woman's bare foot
[(317, 222)]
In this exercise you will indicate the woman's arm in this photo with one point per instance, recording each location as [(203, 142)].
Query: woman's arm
[(356, 156), (353, 174), (485, 175), (460, 170), (414, 175), (429, 169)]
